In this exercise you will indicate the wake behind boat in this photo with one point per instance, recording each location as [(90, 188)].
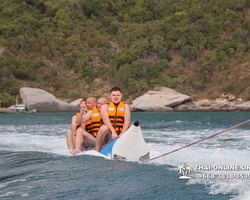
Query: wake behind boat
[(131, 146)]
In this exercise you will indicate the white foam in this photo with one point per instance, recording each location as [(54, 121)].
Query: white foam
[(209, 154), (7, 194), (231, 148), (34, 141), (244, 194)]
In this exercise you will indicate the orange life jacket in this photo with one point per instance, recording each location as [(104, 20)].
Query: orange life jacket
[(78, 125), (96, 121), (116, 115), (87, 125)]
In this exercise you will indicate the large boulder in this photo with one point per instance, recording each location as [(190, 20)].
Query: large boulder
[(76, 102), (162, 99), (43, 101)]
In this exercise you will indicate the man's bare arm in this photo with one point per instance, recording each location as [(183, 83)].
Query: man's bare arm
[(83, 118), (79, 118), (105, 117)]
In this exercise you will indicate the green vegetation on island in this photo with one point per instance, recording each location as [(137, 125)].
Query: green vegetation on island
[(74, 48)]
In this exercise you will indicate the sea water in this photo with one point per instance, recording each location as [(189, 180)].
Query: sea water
[(36, 164)]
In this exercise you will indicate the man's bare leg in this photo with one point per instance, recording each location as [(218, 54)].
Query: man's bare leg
[(89, 139), (74, 140), (102, 134), (70, 141), (79, 141), (83, 137)]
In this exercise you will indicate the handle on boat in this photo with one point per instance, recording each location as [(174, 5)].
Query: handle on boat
[(136, 123)]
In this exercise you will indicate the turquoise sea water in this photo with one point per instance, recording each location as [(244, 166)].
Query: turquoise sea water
[(35, 162)]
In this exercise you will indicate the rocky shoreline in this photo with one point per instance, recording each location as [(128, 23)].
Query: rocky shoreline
[(184, 103), (219, 104), (204, 105), (161, 99)]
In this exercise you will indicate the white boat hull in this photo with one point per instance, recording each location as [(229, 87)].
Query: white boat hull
[(131, 146)]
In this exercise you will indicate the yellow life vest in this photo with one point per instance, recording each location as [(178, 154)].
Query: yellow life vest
[(96, 121), (116, 115)]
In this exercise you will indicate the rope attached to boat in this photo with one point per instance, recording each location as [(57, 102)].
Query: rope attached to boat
[(199, 141)]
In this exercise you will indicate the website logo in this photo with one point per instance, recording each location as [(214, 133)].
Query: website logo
[(185, 170)]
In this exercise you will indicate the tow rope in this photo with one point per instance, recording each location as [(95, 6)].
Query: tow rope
[(240, 124)]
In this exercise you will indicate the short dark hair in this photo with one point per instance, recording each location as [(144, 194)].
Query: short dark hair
[(115, 89)]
